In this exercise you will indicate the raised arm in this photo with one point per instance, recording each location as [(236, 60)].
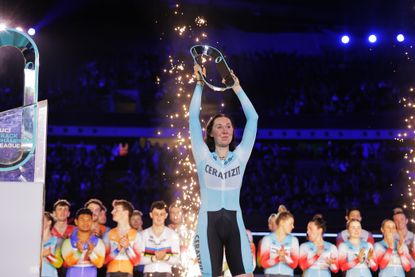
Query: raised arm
[(248, 138), (199, 148)]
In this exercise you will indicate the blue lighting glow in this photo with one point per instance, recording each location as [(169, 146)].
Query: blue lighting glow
[(372, 38), (345, 39), (400, 38)]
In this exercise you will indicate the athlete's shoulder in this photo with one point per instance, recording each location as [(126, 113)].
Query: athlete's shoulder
[(380, 245), (292, 238), (306, 245), (329, 245), (147, 231), (171, 233), (268, 238)]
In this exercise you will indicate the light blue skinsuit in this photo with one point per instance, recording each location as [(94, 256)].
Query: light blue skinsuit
[(220, 182)]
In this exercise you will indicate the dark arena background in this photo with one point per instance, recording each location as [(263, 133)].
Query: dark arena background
[(332, 82)]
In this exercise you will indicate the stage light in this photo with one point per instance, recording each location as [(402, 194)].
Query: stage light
[(2, 26), (345, 39), (31, 31), (400, 38), (372, 38)]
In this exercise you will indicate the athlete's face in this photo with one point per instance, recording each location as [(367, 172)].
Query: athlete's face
[(287, 225), (313, 232), (355, 229), (102, 218), (158, 216), (175, 215), (61, 213), (355, 214), (388, 229), (96, 210), (400, 221), (222, 131), (136, 222), (119, 214), (84, 222)]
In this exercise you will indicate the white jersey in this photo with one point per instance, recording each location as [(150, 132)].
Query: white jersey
[(168, 241)]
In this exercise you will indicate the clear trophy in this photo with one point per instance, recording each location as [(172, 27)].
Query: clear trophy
[(22, 167), (219, 76)]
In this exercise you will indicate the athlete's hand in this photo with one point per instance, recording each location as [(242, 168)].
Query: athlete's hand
[(237, 85), (389, 240), (401, 244), (361, 255), (198, 70), (160, 254), (281, 254), (80, 246), (46, 252), (330, 260), (90, 247), (124, 243), (370, 254)]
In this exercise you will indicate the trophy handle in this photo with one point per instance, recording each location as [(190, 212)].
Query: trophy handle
[(198, 52), (18, 126)]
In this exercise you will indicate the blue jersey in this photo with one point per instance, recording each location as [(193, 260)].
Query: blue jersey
[(220, 181), (318, 265), (349, 259), (391, 263)]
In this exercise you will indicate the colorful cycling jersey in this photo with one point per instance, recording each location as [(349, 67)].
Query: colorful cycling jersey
[(349, 261), (82, 264), (168, 241), (125, 259), (409, 240), (318, 265), (52, 261), (390, 262), (66, 234), (269, 255)]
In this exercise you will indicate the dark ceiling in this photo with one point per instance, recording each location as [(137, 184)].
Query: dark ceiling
[(258, 16), (93, 24)]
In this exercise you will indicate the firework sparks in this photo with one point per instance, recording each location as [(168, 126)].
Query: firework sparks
[(200, 21), (178, 94), (407, 137)]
